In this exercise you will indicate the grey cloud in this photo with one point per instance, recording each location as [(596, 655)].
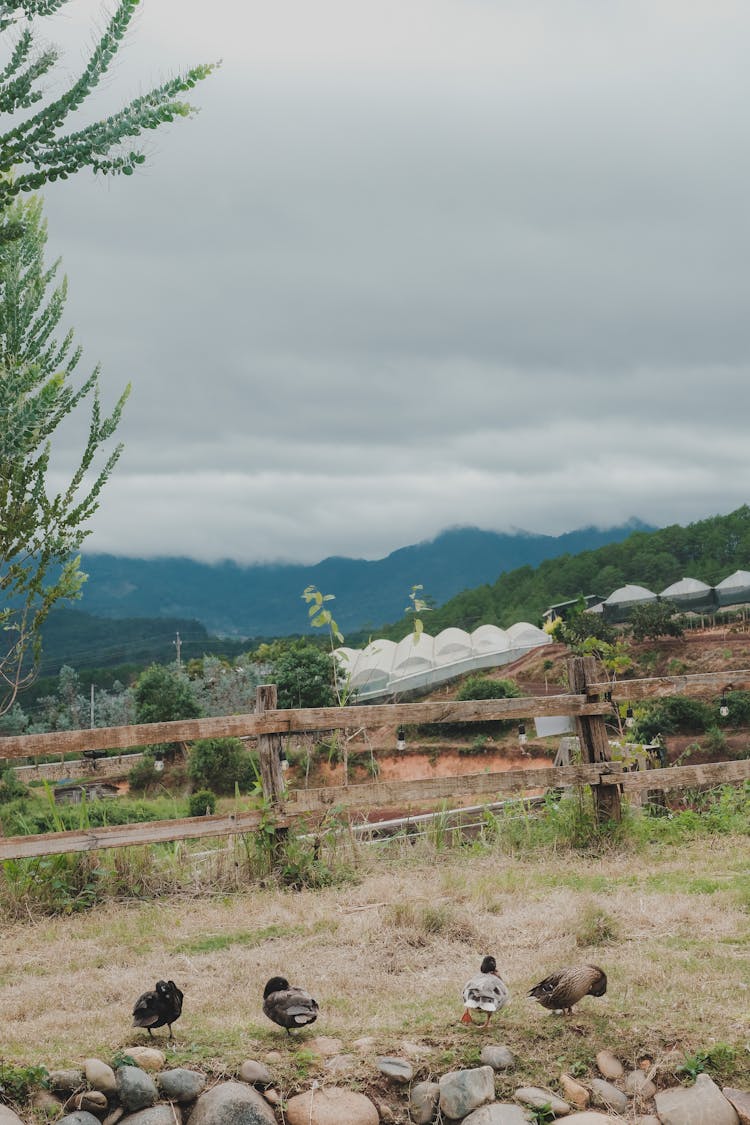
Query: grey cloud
[(439, 263)]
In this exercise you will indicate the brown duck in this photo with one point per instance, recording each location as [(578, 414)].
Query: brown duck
[(561, 990)]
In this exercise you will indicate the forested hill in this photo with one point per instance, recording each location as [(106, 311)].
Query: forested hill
[(266, 599), (710, 550)]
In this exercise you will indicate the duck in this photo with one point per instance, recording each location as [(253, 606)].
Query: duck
[(486, 991), (161, 1005), (561, 990), (287, 1005)]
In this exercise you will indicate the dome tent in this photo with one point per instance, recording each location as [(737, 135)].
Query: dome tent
[(734, 590), (618, 605), (690, 596), (387, 668)]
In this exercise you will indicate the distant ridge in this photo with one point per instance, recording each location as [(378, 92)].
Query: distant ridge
[(265, 599)]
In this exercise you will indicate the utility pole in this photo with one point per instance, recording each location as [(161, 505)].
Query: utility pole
[(91, 724), (177, 644)]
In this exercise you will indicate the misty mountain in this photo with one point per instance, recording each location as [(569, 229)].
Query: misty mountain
[(264, 600)]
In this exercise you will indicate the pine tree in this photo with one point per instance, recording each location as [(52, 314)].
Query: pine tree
[(40, 531), (37, 150)]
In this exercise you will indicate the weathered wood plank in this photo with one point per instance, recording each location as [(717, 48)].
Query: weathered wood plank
[(682, 777), (130, 835), (306, 719), (703, 683), (383, 793), (386, 793), (593, 739)]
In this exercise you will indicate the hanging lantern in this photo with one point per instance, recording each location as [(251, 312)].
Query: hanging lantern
[(629, 717)]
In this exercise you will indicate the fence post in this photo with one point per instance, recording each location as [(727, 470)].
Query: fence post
[(592, 736), (269, 749)]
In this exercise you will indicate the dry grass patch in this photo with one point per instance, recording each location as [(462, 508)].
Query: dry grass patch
[(388, 958)]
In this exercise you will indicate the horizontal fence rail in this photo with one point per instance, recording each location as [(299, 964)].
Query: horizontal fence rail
[(128, 835), (298, 721)]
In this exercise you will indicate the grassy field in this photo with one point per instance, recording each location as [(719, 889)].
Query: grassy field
[(387, 949)]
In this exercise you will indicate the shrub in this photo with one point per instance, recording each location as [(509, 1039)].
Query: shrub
[(476, 687), (673, 715), (220, 764), (10, 787), (202, 803), (143, 774)]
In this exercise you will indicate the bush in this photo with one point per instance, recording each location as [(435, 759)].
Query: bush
[(143, 774), (476, 687), (10, 787), (202, 803), (673, 715), (220, 764)]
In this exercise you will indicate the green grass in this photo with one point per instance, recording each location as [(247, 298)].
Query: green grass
[(212, 943)]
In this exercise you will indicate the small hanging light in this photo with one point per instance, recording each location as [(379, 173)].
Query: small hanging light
[(400, 739), (159, 762), (608, 697), (629, 717), (522, 733), (284, 761), (724, 706)]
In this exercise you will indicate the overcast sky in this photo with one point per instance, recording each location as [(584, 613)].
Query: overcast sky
[(418, 263)]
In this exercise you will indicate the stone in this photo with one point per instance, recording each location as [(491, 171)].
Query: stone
[(647, 1119), (155, 1115), (78, 1117), (147, 1058), (328, 1105), (574, 1092), (638, 1084), (256, 1073), (324, 1046), (740, 1099), (113, 1117), (65, 1081), (272, 1095), (232, 1103), (536, 1097), (701, 1104), (609, 1065), (591, 1117), (423, 1102), (46, 1102), (604, 1093), (340, 1064), (499, 1113), (274, 1056), (497, 1056), (100, 1076), (180, 1084), (93, 1101), (365, 1044), (135, 1089), (8, 1117), (415, 1050), (462, 1091), (400, 1070)]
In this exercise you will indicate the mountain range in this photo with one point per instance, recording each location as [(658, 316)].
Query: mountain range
[(265, 599)]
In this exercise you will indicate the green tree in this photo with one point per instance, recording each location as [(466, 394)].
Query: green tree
[(37, 149), (40, 531), (304, 678), (163, 695), (655, 619)]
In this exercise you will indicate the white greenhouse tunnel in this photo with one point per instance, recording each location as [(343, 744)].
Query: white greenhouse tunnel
[(389, 668)]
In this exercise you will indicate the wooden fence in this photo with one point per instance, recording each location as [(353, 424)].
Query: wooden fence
[(588, 702)]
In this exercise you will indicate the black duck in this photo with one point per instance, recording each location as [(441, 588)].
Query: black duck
[(162, 1005)]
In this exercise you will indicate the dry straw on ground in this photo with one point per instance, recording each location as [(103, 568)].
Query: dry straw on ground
[(387, 958)]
